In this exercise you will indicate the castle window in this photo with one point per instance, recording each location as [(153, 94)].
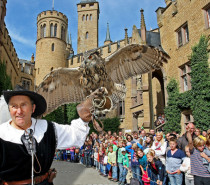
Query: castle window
[(91, 4), (86, 35), (86, 17), (185, 78), (62, 33), (121, 108), (55, 30), (53, 47), (51, 30), (26, 84), (207, 15), (118, 44), (41, 32), (44, 30), (109, 48), (90, 17), (83, 5), (101, 51), (182, 35), (83, 17)]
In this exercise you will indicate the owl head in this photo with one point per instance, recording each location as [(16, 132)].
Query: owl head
[(90, 59)]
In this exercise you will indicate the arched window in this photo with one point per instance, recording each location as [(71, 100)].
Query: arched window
[(86, 35), (44, 30), (86, 17), (91, 17), (55, 30), (51, 30), (53, 47), (41, 33), (83, 17), (62, 33)]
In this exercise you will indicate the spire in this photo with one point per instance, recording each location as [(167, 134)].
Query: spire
[(52, 4), (107, 34), (126, 36), (108, 39), (143, 27), (70, 41)]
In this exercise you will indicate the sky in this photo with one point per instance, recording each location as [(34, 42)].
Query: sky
[(21, 19)]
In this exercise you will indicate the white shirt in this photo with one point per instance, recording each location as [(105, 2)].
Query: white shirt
[(66, 135)]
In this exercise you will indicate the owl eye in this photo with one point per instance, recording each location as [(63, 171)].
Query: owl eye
[(90, 57)]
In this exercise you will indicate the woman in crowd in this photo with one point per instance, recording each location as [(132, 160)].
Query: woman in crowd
[(159, 146)]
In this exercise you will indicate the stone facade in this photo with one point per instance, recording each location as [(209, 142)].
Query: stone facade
[(8, 54), (181, 24)]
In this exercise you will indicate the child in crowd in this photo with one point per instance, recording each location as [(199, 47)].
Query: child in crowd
[(206, 154), (113, 162), (148, 143), (105, 163), (155, 170), (142, 158), (186, 168), (125, 163), (88, 153), (135, 166), (101, 158), (200, 172), (95, 155), (119, 159), (72, 153), (174, 159)]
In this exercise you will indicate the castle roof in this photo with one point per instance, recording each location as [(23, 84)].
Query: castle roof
[(152, 39)]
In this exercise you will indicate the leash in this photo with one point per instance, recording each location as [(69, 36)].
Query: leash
[(142, 176)]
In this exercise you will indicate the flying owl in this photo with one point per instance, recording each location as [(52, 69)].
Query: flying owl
[(68, 85)]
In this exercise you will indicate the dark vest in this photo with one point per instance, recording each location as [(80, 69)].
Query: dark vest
[(15, 162)]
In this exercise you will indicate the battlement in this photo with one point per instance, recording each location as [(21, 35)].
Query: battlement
[(52, 13)]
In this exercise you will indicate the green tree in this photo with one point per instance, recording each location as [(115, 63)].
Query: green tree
[(71, 112), (56, 116), (200, 82), (5, 80), (172, 112)]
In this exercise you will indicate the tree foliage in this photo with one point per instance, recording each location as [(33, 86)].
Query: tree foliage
[(200, 82), (172, 112), (56, 116), (5, 80)]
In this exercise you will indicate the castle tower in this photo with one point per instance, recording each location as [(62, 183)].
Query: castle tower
[(88, 15), (51, 46)]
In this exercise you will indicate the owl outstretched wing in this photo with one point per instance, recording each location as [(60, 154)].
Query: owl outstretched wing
[(132, 60), (61, 86)]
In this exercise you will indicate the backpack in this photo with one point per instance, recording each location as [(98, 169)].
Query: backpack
[(134, 181)]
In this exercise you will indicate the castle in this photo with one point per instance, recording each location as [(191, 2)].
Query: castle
[(180, 25)]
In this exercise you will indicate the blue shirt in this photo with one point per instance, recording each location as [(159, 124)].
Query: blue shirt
[(173, 162)]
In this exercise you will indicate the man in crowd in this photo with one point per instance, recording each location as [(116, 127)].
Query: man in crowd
[(183, 141)]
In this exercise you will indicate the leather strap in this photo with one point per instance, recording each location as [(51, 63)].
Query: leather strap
[(37, 180)]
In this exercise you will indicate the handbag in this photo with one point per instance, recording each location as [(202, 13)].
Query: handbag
[(145, 178)]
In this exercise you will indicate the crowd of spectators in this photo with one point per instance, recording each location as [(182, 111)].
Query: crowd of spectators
[(151, 157)]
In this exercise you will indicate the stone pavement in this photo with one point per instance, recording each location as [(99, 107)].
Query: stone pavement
[(77, 174)]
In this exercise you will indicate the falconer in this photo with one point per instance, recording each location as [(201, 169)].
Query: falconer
[(24, 127)]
